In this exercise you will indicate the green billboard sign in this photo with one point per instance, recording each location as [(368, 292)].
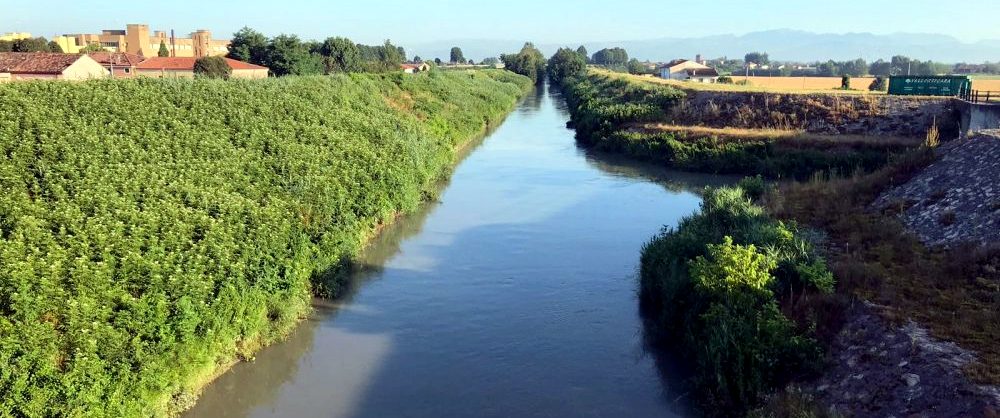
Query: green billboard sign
[(941, 85)]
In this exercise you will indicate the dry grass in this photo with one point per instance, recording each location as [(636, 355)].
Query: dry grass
[(954, 293), (797, 85), (790, 135)]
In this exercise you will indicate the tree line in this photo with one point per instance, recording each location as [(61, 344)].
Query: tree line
[(289, 55), (39, 44)]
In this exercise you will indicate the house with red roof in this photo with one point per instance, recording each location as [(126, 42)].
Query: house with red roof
[(48, 66), (118, 64), (415, 67), (183, 67)]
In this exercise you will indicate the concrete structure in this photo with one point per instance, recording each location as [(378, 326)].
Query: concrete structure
[(183, 67), (687, 70), (977, 116), (49, 66), (137, 39), (118, 64), (415, 68), (14, 36)]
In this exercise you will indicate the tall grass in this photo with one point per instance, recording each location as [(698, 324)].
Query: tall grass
[(153, 230)]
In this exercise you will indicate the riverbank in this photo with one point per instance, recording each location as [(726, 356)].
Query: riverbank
[(156, 229), (949, 293)]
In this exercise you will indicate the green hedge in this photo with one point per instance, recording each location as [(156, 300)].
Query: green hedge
[(710, 290), (151, 230)]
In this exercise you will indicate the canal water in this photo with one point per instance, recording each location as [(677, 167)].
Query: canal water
[(514, 295)]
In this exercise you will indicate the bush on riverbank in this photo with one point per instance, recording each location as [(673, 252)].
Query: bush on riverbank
[(716, 288), (153, 230), (612, 114)]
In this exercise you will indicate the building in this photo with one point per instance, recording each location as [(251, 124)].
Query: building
[(702, 75), (137, 39), (183, 67), (49, 66), (14, 36), (678, 70), (118, 64), (415, 68)]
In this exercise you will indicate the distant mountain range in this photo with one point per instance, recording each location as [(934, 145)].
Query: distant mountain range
[(781, 45)]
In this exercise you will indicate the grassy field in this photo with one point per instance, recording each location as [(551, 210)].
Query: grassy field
[(803, 85), (152, 231)]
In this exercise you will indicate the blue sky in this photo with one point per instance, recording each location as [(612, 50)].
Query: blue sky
[(542, 21)]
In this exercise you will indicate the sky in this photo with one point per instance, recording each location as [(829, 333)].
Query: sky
[(541, 21)]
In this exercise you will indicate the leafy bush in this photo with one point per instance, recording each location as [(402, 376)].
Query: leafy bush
[(212, 67), (153, 229), (878, 84), (712, 288), (845, 82), (754, 187), (724, 80)]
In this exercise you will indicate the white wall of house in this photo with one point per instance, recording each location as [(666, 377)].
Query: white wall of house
[(85, 68), (677, 72)]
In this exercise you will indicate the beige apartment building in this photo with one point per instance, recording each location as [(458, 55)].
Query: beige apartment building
[(137, 39)]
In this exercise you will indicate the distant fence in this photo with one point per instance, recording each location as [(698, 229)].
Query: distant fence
[(981, 97)]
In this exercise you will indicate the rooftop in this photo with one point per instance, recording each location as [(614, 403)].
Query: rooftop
[(36, 62), (187, 64)]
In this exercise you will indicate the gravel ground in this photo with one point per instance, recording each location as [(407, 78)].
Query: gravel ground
[(957, 198)]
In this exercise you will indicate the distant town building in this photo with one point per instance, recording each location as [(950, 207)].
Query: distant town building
[(415, 67), (137, 39), (686, 70), (14, 36), (183, 67), (118, 64), (49, 66)]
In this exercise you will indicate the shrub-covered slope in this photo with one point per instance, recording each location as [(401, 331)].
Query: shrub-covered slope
[(152, 230)]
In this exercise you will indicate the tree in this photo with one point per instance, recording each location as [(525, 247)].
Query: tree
[(6, 46), (634, 66), (31, 45), (566, 63), (845, 82), (491, 61), (54, 47), (878, 84), (437, 61), (92, 47), (417, 59), (582, 50), (528, 62), (341, 55), (759, 58), (457, 56), (250, 46), (288, 55), (163, 52), (212, 67), (612, 57)]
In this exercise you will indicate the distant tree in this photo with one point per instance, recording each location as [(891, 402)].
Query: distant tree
[(491, 61), (528, 62), (341, 55), (6, 46), (250, 46), (416, 58), (582, 50), (31, 45), (759, 58), (845, 82), (725, 80), (457, 56), (612, 57), (878, 84), (566, 63), (92, 47), (634, 66), (54, 47), (880, 68), (288, 55), (163, 52), (212, 67), (438, 61)]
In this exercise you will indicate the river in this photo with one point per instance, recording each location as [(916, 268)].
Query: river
[(513, 295)]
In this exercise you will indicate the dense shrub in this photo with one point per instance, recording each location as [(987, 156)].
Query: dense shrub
[(212, 67), (153, 229), (711, 287)]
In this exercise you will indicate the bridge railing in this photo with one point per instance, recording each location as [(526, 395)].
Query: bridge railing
[(981, 96)]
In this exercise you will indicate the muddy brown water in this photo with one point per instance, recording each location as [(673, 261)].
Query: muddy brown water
[(514, 295)]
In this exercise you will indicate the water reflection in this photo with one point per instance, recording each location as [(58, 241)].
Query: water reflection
[(513, 295)]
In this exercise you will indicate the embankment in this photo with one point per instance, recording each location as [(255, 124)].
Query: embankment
[(774, 135), (153, 230)]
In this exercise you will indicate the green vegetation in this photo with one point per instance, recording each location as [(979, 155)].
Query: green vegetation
[(289, 55), (529, 62), (163, 51), (153, 230), (457, 56), (212, 67), (610, 57), (610, 114), (564, 64), (718, 286)]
